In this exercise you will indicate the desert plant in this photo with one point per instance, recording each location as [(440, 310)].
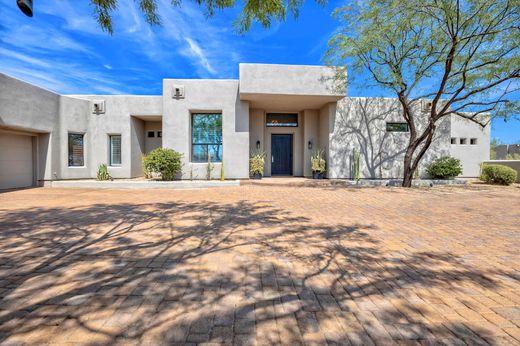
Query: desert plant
[(357, 165), (147, 172), (498, 174), (102, 173), (445, 168), (166, 162), (209, 167), (222, 169), (318, 163), (257, 163)]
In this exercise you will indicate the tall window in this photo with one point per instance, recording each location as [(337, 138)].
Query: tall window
[(115, 150), (206, 137), (76, 150)]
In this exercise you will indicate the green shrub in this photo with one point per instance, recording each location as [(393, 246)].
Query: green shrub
[(257, 163), (166, 162), (102, 173), (498, 174), (147, 171), (444, 168)]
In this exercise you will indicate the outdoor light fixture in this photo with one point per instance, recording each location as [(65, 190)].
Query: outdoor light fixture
[(26, 6), (309, 145), (258, 144)]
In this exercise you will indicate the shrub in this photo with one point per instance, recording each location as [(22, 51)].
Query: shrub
[(445, 168), (318, 161), (256, 163), (147, 171), (498, 174), (102, 173), (166, 162)]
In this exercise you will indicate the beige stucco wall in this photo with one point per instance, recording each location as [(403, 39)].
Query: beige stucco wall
[(311, 127)]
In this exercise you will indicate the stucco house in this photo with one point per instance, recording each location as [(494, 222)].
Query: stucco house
[(287, 111)]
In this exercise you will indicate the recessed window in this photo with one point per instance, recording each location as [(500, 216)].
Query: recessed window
[(473, 141), (453, 140), (151, 134), (115, 150), (206, 137), (76, 150), (281, 120), (396, 127), (159, 134), (463, 141)]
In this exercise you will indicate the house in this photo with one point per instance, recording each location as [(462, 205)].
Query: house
[(287, 111)]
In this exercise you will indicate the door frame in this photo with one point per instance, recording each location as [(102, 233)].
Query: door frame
[(291, 154)]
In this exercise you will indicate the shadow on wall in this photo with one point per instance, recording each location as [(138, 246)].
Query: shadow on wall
[(360, 127), (176, 272)]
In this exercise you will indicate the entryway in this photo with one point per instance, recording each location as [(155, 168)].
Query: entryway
[(281, 154)]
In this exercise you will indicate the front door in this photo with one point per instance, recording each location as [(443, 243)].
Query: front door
[(281, 154)]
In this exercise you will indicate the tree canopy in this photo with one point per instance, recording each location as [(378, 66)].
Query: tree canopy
[(461, 55), (263, 12)]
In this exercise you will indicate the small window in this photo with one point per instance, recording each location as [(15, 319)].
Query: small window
[(463, 141), (151, 134), (159, 134), (396, 127), (206, 137), (76, 150), (282, 120), (453, 140), (473, 141), (115, 150)]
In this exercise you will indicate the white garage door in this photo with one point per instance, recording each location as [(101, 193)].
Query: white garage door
[(16, 161)]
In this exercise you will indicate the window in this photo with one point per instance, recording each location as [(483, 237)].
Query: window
[(396, 127), (206, 137), (159, 134), (473, 141), (281, 120), (453, 140), (76, 150), (463, 141), (115, 150), (151, 134)]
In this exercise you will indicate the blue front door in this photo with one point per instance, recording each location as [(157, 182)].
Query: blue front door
[(282, 154)]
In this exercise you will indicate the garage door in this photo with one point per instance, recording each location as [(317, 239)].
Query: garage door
[(16, 161)]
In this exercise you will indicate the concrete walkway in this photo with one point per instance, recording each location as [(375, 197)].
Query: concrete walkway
[(143, 184)]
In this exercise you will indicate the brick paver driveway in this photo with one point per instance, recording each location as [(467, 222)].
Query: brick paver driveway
[(260, 264)]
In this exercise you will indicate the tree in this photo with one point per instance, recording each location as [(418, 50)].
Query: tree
[(459, 55), (263, 12)]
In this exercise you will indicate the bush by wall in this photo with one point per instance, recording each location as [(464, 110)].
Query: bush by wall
[(166, 162), (102, 173), (498, 174), (445, 168)]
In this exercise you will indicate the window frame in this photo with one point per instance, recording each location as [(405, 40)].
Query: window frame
[(453, 141), (392, 123), (192, 137), (148, 133), (463, 141), (110, 159), (82, 134), (473, 141)]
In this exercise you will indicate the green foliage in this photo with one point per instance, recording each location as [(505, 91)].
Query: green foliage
[(514, 156), (253, 11), (102, 173), (164, 161), (356, 164), (222, 177), (445, 168), (498, 174), (147, 171), (257, 163), (493, 148), (318, 163)]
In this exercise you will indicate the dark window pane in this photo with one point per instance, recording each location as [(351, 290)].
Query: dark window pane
[(397, 127), (151, 134), (76, 149), (206, 137), (115, 150), (281, 120), (159, 134)]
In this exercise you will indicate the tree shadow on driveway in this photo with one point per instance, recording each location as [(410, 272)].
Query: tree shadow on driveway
[(239, 273)]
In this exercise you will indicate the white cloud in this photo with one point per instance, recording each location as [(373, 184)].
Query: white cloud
[(196, 51)]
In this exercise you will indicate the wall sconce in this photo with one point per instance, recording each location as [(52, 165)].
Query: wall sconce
[(309, 145), (257, 144)]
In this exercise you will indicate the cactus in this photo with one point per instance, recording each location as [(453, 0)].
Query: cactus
[(356, 168)]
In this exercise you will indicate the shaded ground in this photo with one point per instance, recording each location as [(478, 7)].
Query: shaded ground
[(260, 265)]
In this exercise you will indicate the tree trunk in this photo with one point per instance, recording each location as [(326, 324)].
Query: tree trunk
[(407, 167)]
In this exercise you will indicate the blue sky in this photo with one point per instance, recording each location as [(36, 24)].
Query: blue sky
[(62, 49)]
